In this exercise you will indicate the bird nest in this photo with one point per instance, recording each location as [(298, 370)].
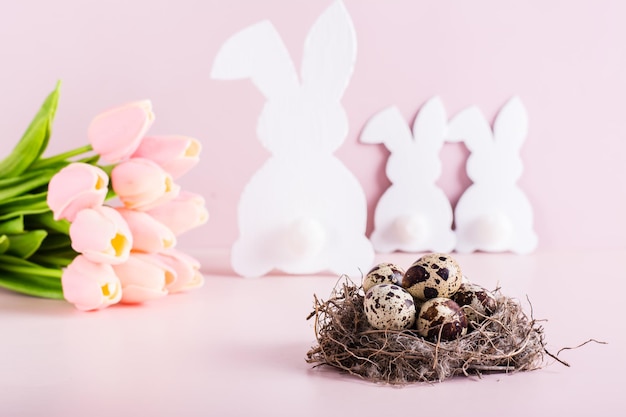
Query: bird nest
[(507, 341)]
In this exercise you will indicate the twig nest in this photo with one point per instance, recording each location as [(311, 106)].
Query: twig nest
[(476, 302), (441, 318), (433, 275), (371, 334), (383, 273), (389, 306)]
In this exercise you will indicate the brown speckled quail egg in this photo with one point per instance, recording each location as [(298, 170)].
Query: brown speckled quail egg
[(433, 275), (441, 316), (389, 307), (383, 273), (475, 301)]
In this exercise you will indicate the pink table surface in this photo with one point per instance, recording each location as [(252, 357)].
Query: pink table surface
[(236, 347)]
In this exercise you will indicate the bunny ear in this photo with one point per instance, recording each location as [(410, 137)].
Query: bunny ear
[(388, 127), (329, 53), (257, 52), (431, 122), (511, 125), (470, 127)]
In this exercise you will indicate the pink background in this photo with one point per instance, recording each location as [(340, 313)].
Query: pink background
[(565, 59)]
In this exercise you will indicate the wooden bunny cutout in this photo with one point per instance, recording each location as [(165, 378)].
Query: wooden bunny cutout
[(493, 214), (413, 214), (303, 211)]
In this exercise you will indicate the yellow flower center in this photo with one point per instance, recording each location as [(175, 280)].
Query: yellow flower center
[(169, 278), (193, 149), (119, 244), (110, 290), (100, 183), (168, 184), (168, 243)]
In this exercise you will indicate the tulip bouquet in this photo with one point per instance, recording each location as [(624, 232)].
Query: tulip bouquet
[(94, 234)]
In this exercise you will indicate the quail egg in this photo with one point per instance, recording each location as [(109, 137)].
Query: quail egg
[(389, 307), (433, 275), (383, 273), (441, 316), (475, 301)]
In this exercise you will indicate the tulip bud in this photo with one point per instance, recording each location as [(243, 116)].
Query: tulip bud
[(175, 154), (102, 235), (89, 285), (144, 277), (76, 187), (187, 269), (183, 213), (115, 134), (149, 235), (141, 184)]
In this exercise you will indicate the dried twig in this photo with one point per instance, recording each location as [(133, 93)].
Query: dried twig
[(508, 341)]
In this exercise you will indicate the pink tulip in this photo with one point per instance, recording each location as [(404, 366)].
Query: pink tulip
[(187, 269), (102, 235), (149, 235), (141, 184), (175, 154), (76, 187), (116, 133), (89, 285), (144, 277), (183, 213)]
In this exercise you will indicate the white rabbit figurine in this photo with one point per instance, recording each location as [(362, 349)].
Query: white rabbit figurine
[(413, 214), (493, 214), (303, 211)]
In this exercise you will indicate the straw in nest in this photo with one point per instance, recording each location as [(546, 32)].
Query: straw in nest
[(507, 341)]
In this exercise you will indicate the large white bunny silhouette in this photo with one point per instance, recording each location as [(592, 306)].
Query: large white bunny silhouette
[(413, 214), (493, 214), (303, 211)]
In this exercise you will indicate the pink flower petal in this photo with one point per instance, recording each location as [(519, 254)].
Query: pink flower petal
[(175, 154), (89, 285), (76, 187), (183, 213), (143, 278), (115, 134), (149, 235), (141, 184), (101, 235)]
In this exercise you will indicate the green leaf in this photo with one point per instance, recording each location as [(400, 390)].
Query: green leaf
[(33, 286), (12, 225), (54, 259), (17, 265), (29, 278), (46, 221), (21, 184), (34, 208), (23, 245), (4, 243), (26, 204), (55, 242), (35, 139), (63, 158)]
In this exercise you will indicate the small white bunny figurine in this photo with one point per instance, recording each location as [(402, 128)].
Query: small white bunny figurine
[(413, 214), (493, 214), (303, 211)]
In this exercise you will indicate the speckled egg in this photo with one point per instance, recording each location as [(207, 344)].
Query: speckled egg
[(383, 273), (441, 316), (433, 275), (389, 307), (475, 301)]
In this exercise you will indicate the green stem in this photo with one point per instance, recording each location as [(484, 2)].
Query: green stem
[(32, 286), (52, 260), (35, 272), (21, 266), (43, 162)]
